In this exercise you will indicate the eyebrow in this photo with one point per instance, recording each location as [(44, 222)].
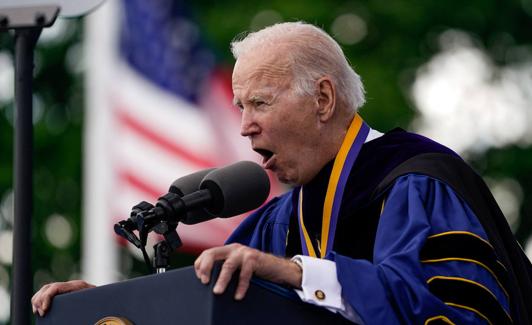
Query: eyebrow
[(253, 98), (256, 98)]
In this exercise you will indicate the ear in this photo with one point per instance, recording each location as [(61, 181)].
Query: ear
[(326, 98)]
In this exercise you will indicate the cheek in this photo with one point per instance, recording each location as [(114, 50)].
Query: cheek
[(293, 145), (292, 126), (301, 132), (287, 134)]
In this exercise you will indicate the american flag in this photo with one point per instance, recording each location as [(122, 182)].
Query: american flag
[(169, 98), (170, 115)]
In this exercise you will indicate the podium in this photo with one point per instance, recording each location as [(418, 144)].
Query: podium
[(178, 297)]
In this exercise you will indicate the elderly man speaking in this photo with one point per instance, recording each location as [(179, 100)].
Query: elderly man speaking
[(381, 228)]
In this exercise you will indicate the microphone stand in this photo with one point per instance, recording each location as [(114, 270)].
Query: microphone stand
[(27, 22), (161, 259), (163, 249), (141, 219)]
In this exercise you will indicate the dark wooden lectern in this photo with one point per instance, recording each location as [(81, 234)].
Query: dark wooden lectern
[(178, 297)]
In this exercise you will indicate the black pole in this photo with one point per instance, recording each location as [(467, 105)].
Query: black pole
[(25, 40)]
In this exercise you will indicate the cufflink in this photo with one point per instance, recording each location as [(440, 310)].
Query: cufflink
[(320, 295)]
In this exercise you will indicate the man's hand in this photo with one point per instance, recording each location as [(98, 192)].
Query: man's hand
[(249, 261), (42, 299)]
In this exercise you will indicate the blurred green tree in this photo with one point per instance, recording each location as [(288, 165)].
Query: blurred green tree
[(386, 41)]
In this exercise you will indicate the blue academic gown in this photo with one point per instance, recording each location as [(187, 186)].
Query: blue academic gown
[(387, 283)]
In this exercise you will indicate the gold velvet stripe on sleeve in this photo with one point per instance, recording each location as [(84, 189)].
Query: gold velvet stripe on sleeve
[(438, 320), (466, 247), (470, 295)]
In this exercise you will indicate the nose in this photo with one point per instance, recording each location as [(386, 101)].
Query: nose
[(248, 125)]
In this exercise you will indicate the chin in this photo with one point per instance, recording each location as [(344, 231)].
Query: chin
[(285, 179), (289, 177)]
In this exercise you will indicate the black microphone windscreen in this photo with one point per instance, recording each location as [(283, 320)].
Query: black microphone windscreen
[(189, 184), (236, 188)]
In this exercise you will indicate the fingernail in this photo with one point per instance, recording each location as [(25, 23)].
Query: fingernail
[(239, 296), (204, 279), (217, 290)]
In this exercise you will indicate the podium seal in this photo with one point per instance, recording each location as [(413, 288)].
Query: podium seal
[(112, 320)]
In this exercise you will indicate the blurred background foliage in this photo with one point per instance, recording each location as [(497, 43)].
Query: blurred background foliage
[(388, 43)]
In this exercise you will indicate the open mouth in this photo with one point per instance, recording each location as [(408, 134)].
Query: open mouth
[(266, 155)]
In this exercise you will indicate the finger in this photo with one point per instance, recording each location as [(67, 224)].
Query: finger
[(44, 287), (197, 264), (41, 301), (226, 273), (43, 298), (36, 300), (47, 296), (246, 273), (205, 268), (206, 261)]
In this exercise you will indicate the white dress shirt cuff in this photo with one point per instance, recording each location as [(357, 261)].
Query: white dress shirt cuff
[(320, 286)]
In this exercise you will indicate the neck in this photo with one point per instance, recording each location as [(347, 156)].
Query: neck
[(332, 135), (337, 131)]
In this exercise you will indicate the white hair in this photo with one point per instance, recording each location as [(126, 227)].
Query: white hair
[(313, 54)]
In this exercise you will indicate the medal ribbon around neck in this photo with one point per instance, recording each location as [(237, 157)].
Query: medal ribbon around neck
[(345, 159)]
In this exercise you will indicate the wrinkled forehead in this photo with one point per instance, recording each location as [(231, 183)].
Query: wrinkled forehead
[(267, 66)]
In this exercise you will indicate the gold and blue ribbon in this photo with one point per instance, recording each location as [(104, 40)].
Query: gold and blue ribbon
[(343, 163)]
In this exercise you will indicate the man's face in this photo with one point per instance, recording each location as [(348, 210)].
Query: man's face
[(281, 125)]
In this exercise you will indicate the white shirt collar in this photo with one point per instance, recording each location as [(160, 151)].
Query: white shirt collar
[(373, 134)]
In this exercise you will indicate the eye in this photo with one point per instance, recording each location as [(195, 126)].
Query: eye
[(260, 103), (239, 106)]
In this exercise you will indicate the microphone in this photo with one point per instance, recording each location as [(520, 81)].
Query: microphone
[(237, 188), (181, 186), (223, 192), (186, 185), (189, 183)]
